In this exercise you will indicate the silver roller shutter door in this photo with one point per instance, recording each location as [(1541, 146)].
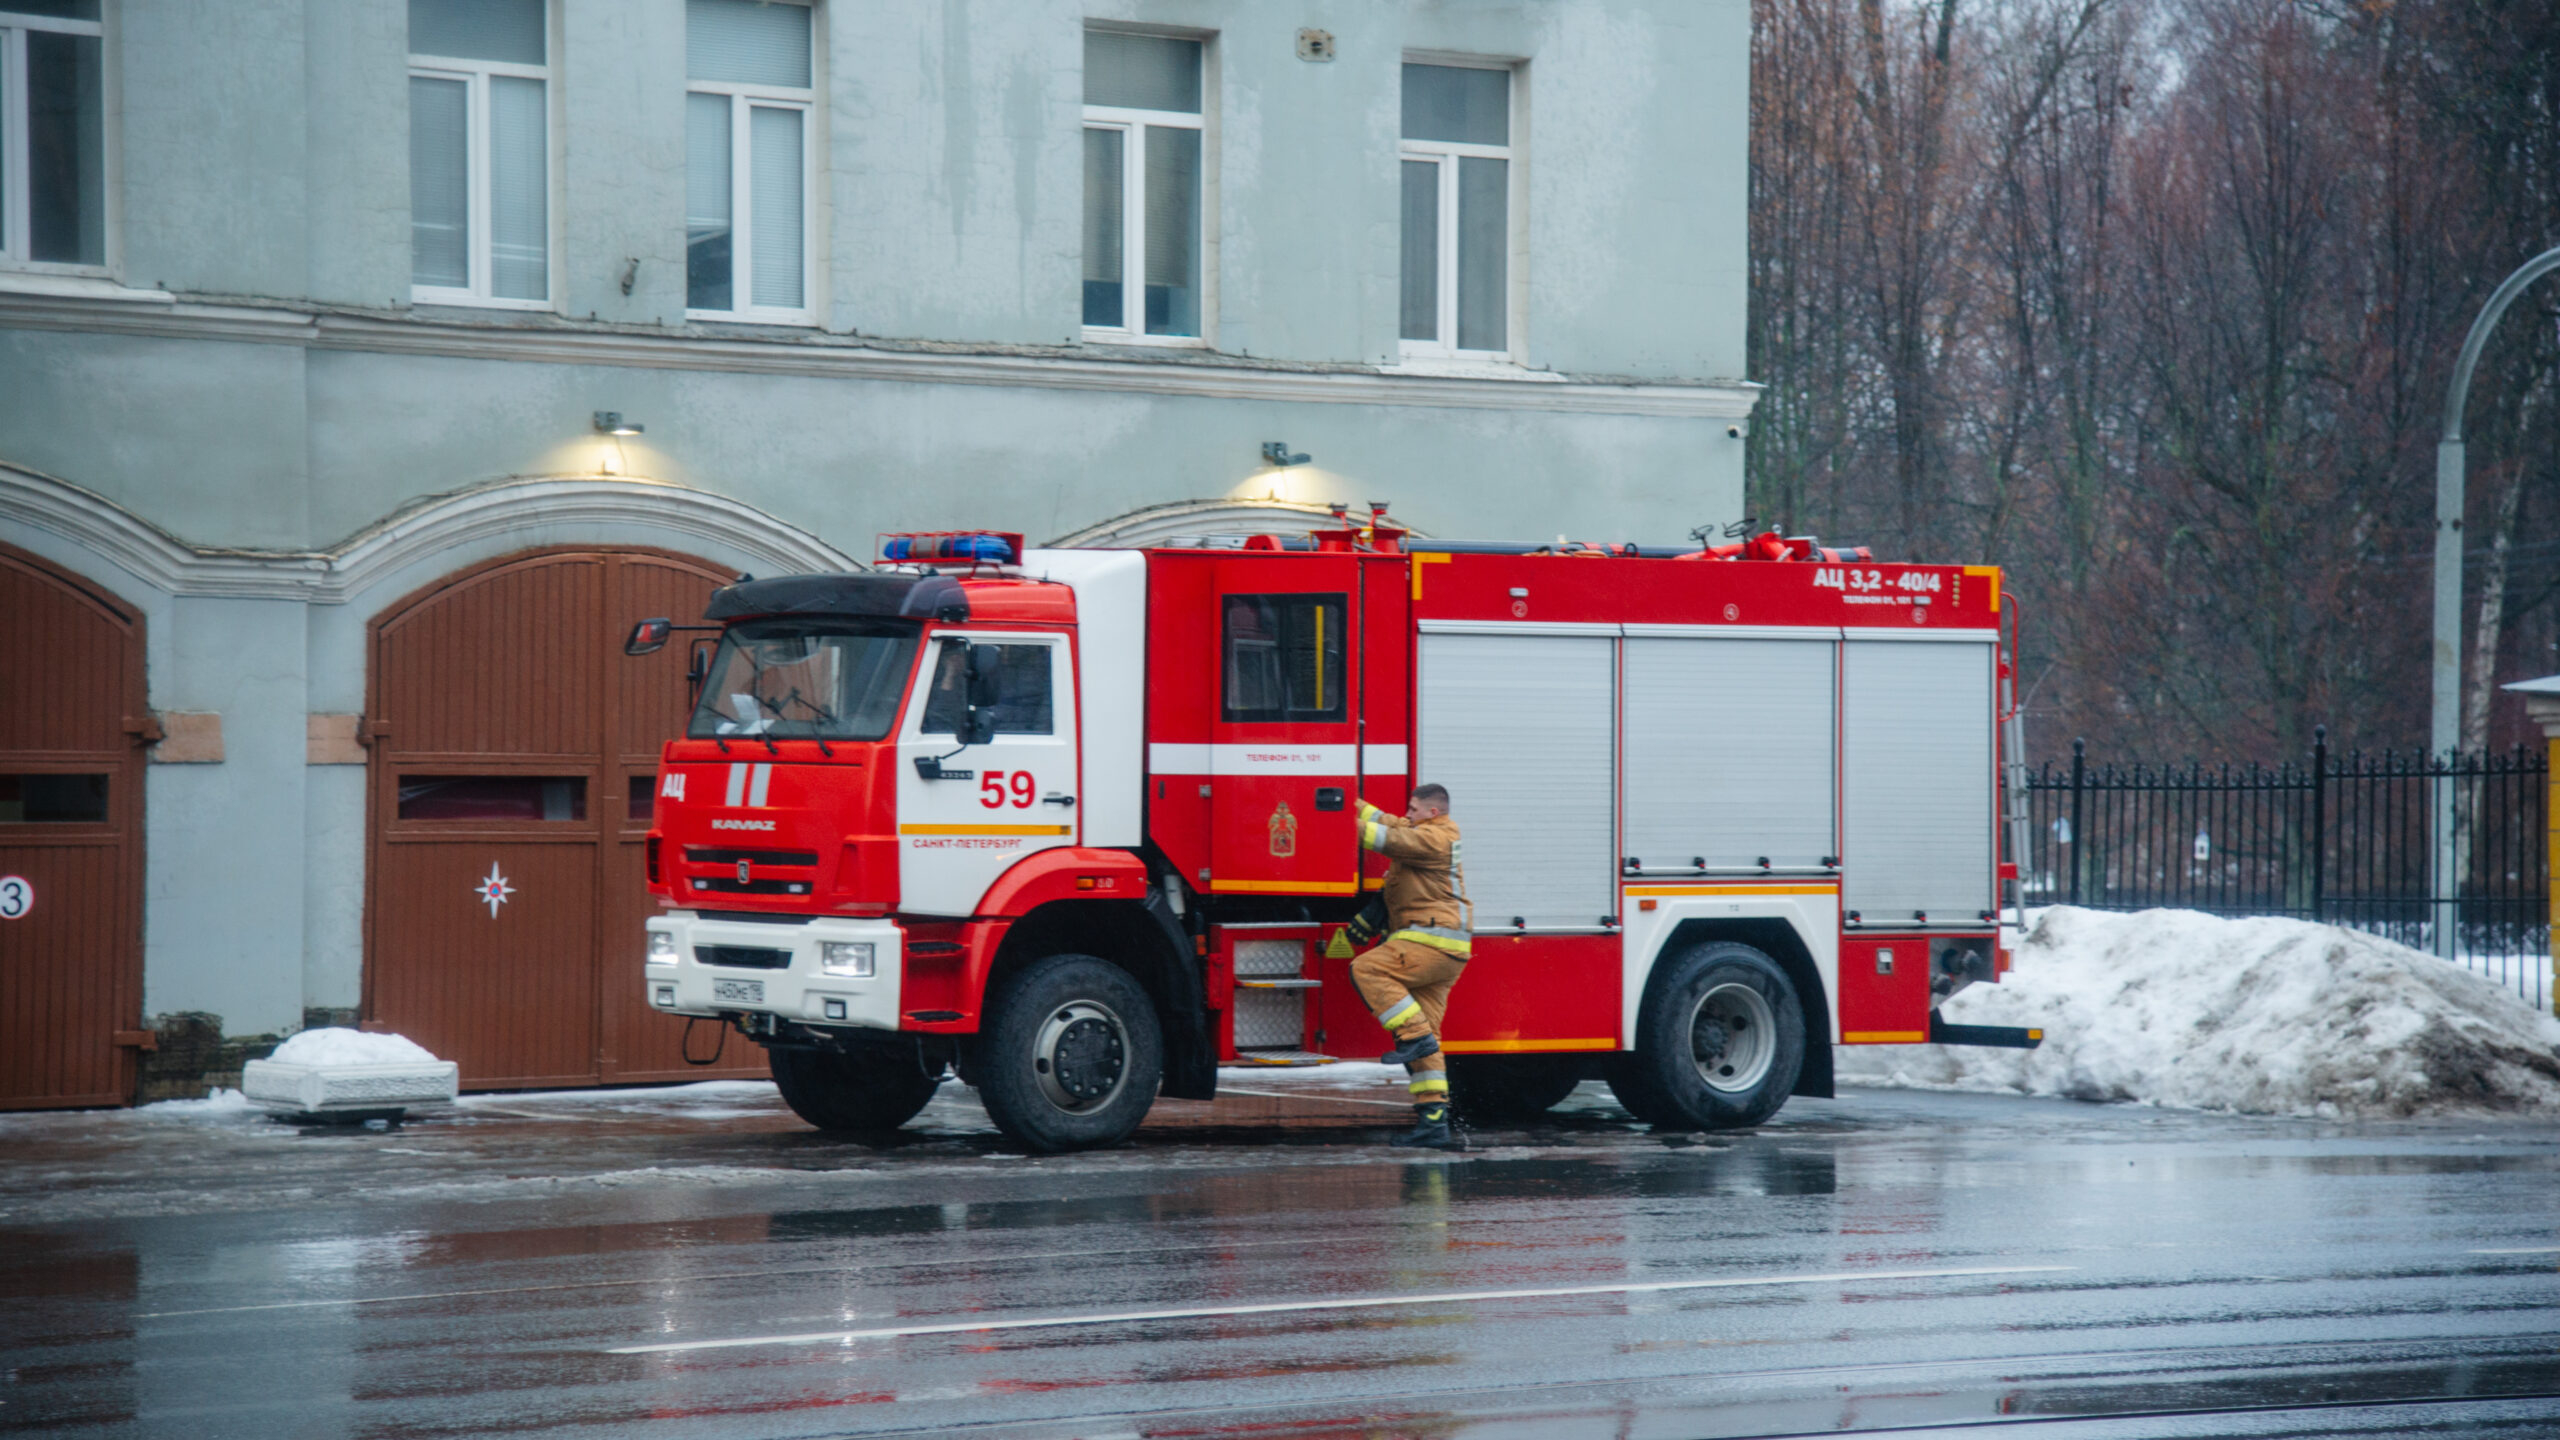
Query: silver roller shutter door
[(1729, 752), (1916, 779), (1521, 729)]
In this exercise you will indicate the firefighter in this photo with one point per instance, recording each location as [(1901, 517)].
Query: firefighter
[(1406, 977)]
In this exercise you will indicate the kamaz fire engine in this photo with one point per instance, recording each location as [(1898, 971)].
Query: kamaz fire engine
[(1078, 825)]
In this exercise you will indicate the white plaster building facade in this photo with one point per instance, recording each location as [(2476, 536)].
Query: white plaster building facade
[(309, 306)]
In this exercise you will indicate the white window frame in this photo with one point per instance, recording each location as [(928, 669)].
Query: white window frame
[(744, 97), (1446, 154), (476, 74), (16, 219), (1132, 126)]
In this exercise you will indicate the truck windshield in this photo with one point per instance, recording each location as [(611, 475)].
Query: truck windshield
[(805, 680)]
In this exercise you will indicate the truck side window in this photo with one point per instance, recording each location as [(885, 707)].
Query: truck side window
[(1283, 657), (1022, 690)]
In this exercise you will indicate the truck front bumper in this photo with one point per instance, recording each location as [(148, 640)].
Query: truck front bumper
[(790, 977)]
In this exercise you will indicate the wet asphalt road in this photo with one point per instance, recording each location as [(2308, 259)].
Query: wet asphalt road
[(1263, 1266)]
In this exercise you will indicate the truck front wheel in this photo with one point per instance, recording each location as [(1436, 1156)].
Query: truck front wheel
[(1719, 1042), (863, 1090), (1071, 1055)]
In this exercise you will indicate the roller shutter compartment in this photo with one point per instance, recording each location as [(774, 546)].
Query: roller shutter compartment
[(1916, 780), (1729, 752), (1521, 729)]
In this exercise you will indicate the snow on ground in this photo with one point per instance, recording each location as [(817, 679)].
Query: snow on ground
[(334, 1045), (222, 1106), (2263, 1016)]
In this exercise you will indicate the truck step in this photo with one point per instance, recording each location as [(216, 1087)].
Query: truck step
[(1282, 1058), (1245, 984), (2003, 1037)]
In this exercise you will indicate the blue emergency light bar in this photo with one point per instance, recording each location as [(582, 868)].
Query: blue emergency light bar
[(977, 547)]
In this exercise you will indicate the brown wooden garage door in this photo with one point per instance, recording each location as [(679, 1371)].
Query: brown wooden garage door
[(514, 757), (71, 707)]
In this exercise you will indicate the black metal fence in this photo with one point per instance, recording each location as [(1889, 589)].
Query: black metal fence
[(2349, 839)]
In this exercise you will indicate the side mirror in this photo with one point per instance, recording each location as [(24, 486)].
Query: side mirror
[(697, 669), (978, 726), (984, 671), (649, 636)]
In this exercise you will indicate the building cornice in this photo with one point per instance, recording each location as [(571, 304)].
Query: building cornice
[(100, 308), (509, 509)]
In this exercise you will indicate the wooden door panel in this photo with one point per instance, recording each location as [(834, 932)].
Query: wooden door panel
[(59, 973), (71, 962), (501, 663), (517, 668), (507, 992)]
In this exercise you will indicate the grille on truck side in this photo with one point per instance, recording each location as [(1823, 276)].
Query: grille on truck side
[(743, 957), (698, 855)]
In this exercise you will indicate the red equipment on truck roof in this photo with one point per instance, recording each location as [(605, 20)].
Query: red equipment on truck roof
[(1079, 823)]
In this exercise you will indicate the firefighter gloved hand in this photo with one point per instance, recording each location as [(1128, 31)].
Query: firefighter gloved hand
[(1371, 823), (1368, 925)]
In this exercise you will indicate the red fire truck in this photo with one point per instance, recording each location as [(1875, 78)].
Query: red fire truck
[(1078, 824)]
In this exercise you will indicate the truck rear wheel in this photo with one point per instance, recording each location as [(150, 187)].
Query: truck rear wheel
[(864, 1090), (1512, 1087), (1071, 1055), (1719, 1042)]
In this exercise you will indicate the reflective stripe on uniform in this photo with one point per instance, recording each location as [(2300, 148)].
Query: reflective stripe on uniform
[(1438, 937), (1398, 1013), (1373, 835), (1434, 1083)]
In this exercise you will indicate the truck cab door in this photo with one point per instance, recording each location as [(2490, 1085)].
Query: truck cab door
[(1285, 762), (973, 810)]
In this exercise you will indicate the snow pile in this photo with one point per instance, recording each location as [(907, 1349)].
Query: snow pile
[(2264, 1016), (222, 1104), (336, 1046)]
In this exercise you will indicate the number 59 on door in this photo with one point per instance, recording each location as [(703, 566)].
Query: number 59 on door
[(998, 788)]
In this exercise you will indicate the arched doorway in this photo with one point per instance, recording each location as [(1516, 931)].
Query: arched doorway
[(71, 762), (514, 753)]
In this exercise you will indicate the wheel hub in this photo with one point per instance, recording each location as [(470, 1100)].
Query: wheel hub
[(1733, 1038), (1081, 1056)]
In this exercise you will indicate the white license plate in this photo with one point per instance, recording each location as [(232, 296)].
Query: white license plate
[(738, 992)]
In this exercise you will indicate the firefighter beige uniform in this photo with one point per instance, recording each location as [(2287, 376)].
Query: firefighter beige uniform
[(1406, 977)]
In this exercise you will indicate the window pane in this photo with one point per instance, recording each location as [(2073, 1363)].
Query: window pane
[(1173, 231), (1022, 705), (58, 9), (519, 188), (643, 806), (706, 202), (1484, 252), (439, 189), (53, 799), (1450, 102), (1420, 311), (806, 679), (746, 41), (1283, 658), (774, 192), (66, 163), (493, 797), (1141, 72), (508, 30), (1102, 214)]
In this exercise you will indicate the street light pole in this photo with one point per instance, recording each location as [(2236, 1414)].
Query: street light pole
[(2444, 717)]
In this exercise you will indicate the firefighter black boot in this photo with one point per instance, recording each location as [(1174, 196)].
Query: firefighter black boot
[(1408, 1051), (1430, 1129)]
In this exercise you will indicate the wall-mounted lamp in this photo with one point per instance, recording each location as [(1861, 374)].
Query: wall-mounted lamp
[(1277, 452), (610, 422)]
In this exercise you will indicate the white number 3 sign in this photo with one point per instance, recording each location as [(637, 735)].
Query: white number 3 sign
[(17, 897)]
